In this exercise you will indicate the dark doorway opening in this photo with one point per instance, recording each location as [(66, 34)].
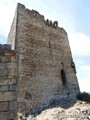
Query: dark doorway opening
[(63, 77)]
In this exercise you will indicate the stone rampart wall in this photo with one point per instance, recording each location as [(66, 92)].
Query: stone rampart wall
[(8, 83)]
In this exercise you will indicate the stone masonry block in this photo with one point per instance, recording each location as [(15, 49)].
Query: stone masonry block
[(7, 81), (3, 106), (3, 72), (4, 88), (3, 115), (7, 96), (9, 115), (2, 65), (10, 52), (13, 59), (12, 72), (13, 105), (11, 65), (2, 53), (5, 59), (12, 87)]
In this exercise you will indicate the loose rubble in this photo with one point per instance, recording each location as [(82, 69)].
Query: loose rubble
[(78, 111)]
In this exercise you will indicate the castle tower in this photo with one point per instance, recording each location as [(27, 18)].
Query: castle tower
[(45, 65)]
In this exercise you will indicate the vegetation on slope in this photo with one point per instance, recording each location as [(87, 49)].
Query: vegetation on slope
[(84, 96)]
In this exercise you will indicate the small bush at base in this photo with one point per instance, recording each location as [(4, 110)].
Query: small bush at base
[(84, 96)]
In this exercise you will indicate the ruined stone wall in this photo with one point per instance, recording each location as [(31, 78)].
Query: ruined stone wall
[(12, 33), (8, 83), (43, 51)]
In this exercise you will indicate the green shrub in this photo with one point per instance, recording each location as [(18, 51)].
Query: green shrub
[(84, 96)]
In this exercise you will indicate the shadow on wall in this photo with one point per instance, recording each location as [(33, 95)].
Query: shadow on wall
[(63, 77), (57, 101), (64, 102)]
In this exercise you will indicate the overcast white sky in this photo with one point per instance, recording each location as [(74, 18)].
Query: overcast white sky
[(72, 15)]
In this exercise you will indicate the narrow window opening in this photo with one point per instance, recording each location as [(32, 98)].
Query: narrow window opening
[(63, 77)]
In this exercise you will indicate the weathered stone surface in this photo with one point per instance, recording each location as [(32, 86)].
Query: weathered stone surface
[(7, 96), (12, 87), (12, 72), (10, 115), (5, 59), (3, 72), (13, 59), (4, 88), (2, 65), (10, 52), (75, 112), (7, 81), (3, 106), (13, 105), (11, 65), (43, 51)]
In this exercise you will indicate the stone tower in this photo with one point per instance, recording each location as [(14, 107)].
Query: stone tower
[(45, 65)]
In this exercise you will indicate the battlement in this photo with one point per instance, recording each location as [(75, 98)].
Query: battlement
[(32, 18), (39, 18)]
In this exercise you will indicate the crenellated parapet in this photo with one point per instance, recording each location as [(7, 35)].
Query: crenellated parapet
[(35, 14), (50, 23)]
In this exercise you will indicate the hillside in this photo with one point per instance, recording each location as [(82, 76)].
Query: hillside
[(78, 111)]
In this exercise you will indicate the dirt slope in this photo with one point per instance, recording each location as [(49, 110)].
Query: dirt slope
[(78, 111)]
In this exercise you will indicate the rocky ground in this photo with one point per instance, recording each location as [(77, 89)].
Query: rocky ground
[(77, 111)]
